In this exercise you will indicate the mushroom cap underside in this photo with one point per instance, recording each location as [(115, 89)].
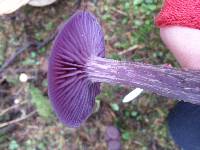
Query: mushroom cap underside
[(71, 93)]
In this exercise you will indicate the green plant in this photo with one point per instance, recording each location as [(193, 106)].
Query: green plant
[(41, 103), (127, 135), (13, 145)]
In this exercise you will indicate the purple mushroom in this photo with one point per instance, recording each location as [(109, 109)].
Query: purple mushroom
[(114, 145), (77, 67), (71, 92), (112, 133), (112, 137)]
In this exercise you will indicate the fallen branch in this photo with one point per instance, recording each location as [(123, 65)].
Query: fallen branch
[(38, 45), (17, 120), (11, 108)]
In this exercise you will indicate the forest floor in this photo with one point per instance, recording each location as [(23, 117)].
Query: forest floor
[(26, 119)]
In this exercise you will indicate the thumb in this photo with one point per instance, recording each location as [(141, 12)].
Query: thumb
[(184, 43), (179, 22)]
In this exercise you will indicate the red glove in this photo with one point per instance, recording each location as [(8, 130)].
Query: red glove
[(180, 12)]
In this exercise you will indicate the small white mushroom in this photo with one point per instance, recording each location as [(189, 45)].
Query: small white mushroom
[(23, 77), (132, 95), (17, 101)]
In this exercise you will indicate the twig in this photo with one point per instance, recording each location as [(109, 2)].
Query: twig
[(12, 58), (119, 11), (3, 91), (8, 129), (12, 107), (46, 41), (131, 14), (130, 49), (26, 47), (17, 120), (78, 4)]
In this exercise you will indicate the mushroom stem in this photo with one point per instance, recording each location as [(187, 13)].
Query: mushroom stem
[(163, 80)]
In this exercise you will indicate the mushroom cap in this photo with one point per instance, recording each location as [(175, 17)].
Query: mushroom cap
[(40, 3), (112, 133), (71, 93), (9, 6), (114, 145)]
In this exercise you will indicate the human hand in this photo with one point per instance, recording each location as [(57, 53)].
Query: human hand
[(180, 30), (184, 43)]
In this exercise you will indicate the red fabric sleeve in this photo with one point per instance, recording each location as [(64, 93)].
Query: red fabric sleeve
[(179, 12)]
